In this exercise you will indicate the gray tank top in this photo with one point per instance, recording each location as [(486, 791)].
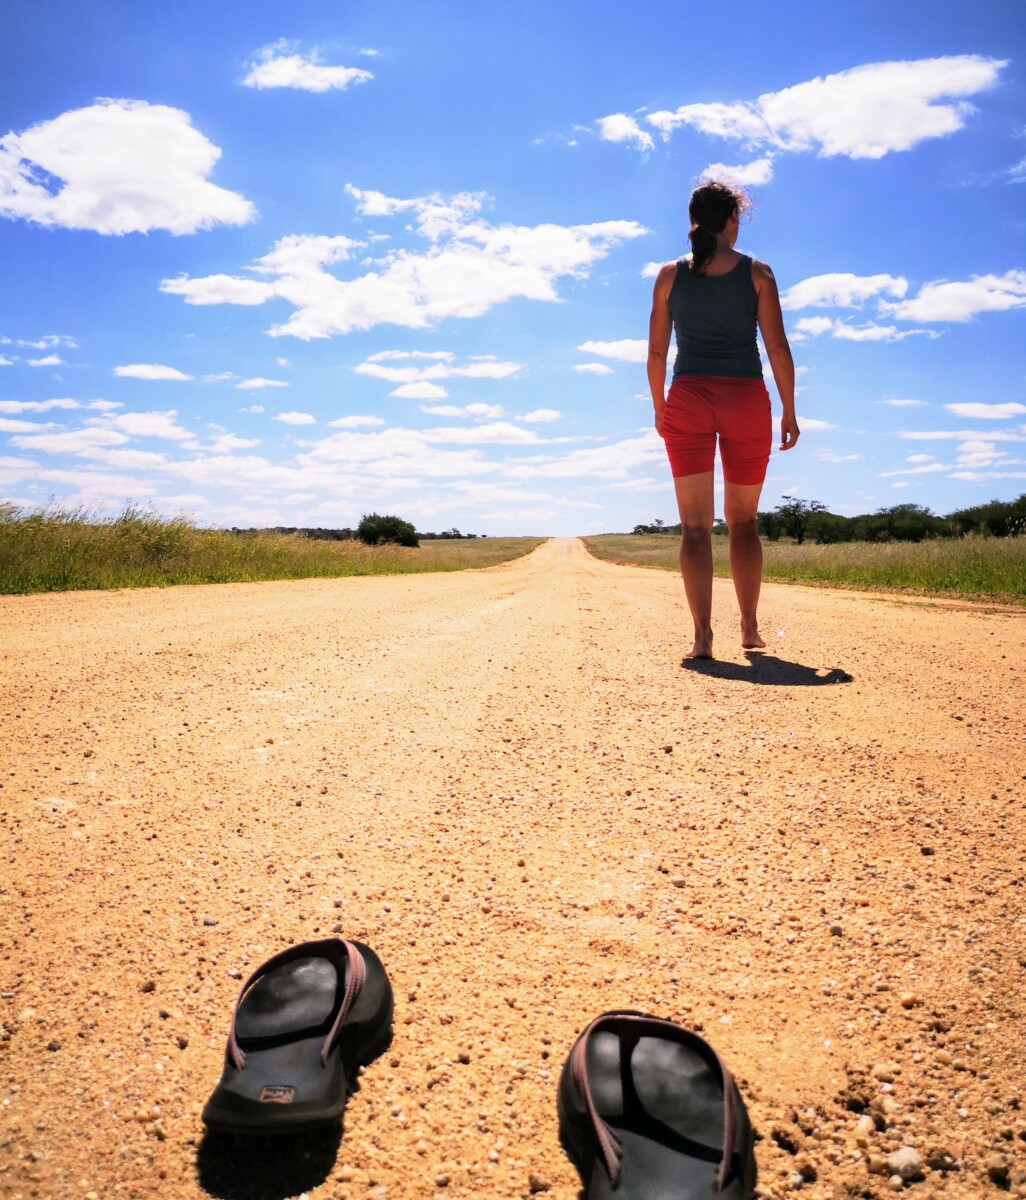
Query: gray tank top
[(714, 318)]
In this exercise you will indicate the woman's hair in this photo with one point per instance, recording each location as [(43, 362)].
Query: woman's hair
[(712, 204)]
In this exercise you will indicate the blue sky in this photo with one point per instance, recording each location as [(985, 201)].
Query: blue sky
[(288, 264)]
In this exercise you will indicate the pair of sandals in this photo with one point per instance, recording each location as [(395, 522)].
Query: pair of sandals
[(647, 1109)]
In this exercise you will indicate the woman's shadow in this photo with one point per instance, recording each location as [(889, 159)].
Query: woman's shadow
[(766, 669)]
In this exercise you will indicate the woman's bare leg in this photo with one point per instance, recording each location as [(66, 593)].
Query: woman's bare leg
[(695, 504), (741, 502)]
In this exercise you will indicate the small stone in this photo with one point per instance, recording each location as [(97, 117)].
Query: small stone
[(677, 882), (148, 986), (997, 1169), (906, 1163), (441, 1180), (896, 1183), (943, 1057), (876, 1164), (463, 1057), (865, 1127), (836, 930), (885, 1072), (209, 921), (538, 1183), (908, 999), (794, 1180), (183, 1041)]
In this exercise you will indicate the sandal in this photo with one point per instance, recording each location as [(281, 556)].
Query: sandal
[(648, 1111), (302, 1026)]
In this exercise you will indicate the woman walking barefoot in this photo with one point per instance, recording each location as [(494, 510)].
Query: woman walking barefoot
[(713, 299)]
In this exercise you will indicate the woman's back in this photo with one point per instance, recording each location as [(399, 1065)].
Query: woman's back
[(714, 318)]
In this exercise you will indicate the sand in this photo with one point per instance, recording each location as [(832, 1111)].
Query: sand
[(507, 784)]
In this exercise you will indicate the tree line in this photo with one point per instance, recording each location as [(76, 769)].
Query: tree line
[(809, 520), (373, 530)]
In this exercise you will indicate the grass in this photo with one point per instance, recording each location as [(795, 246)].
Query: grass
[(967, 567), (56, 550)]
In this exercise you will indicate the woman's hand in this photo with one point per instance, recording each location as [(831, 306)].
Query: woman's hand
[(659, 419), (789, 431)]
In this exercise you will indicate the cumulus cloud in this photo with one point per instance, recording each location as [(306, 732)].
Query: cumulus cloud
[(13, 425), (618, 127), (416, 367), (469, 266), (841, 290), (24, 406), (75, 441), (744, 175), (542, 415), (651, 269), (812, 424), (593, 369), (946, 301), (279, 65), (490, 412), (831, 456), (865, 112), (147, 424), (356, 422), (631, 350), (5, 361), (987, 412), (48, 360), (149, 371), (258, 383), (419, 391), (224, 443), (902, 403), (253, 408), (116, 167), (296, 418)]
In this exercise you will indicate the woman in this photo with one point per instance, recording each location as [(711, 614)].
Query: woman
[(714, 298)]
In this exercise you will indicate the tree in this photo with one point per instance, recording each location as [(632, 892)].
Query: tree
[(795, 515), (374, 530), (770, 525)]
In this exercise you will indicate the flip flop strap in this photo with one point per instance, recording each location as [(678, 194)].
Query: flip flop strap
[(609, 1143), (343, 954)]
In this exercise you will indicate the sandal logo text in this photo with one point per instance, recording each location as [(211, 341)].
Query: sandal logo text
[(277, 1094)]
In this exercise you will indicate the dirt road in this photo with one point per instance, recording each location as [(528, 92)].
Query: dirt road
[(508, 785)]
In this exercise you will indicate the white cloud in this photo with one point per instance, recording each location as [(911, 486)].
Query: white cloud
[(987, 412), (296, 418), (220, 377), (813, 424), (419, 391), (5, 361), (149, 371), (651, 269), (493, 433), (944, 301), (841, 290), (926, 469), (919, 458), (23, 406), (593, 369), (961, 435), (76, 441), (274, 67), (49, 360), (258, 383), (13, 425), (864, 112), (253, 408), (608, 463), (903, 403), (282, 362), (148, 424), (355, 422), (226, 442), (631, 350), (618, 127), (442, 365), (745, 175), (125, 166), (468, 267), (489, 412), (831, 456), (542, 415)]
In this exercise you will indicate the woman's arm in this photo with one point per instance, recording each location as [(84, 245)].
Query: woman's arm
[(771, 326), (660, 327)]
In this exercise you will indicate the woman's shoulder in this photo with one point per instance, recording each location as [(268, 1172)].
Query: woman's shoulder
[(762, 273)]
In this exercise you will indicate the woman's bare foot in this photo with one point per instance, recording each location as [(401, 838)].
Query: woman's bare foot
[(750, 639), (702, 647)]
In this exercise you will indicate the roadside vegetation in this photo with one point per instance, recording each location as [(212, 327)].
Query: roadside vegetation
[(972, 567), (58, 550)]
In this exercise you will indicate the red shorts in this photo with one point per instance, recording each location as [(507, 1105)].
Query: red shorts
[(701, 406)]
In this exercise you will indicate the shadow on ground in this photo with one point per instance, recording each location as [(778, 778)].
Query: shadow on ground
[(766, 669), (237, 1167)]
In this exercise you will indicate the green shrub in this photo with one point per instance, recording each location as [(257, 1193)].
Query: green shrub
[(374, 530)]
